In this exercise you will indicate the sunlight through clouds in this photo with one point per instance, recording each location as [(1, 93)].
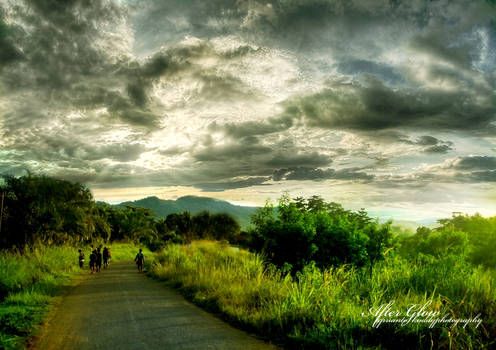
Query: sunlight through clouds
[(361, 102)]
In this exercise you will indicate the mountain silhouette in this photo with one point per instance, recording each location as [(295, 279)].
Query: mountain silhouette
[(163, 207)]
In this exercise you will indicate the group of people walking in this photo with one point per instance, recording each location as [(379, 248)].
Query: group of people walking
[(96, 258)]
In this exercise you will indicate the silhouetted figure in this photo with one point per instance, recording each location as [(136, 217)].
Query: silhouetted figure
[(81, 258), (98, 260), (93, 261), (106, 257), (140, 260)]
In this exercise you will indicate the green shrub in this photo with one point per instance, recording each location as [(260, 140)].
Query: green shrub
[(322, 308)]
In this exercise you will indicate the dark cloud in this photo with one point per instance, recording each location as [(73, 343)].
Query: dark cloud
[(172, 151), (250, 128), (290, 159), (220, 165), (9, 53), (181, 60), (68, 150), (438, 149), (429, 144), (222, 87), (141, 77), (137, 117), (483, 176), (427, 141), (307, 173), (375, 106), (474, 163), (468, 169), (435, 45), (432, 144), (345, 28), (118, 152), (222, 186), (57, 40), (236, 152), (68, 61)]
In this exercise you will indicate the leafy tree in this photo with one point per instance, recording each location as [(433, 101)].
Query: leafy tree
[(202, 225), (225, 227), (314, 230), (40, 208), (137, 224), (181, 224), (51, 211)]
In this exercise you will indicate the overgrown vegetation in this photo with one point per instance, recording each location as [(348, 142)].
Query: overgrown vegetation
[(313, 276), (313, 230), (41, 209), (43, 221), (322, 308), (29, 282), (320, 272)]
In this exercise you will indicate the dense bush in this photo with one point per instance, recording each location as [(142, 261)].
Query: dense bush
[(40, 209), (329, 308), (313, 230), (470, 238)]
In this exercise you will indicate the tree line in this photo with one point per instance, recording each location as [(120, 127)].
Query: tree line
[(41, 209), (295, 233), (468, 237), (302, 231)]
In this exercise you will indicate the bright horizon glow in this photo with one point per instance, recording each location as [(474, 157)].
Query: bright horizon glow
[(251, 198)]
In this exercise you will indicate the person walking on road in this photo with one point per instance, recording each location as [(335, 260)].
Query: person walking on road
[(98, 259), (81, 258), (140, 260), (93, 261), (106, 257)]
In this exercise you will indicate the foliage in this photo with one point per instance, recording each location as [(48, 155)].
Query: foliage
[(322, 308), (40, 209), (316, 269), (472, 238), (30, 279), (313, 230)]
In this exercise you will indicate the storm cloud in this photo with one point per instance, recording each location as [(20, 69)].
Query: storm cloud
[(306, 173), (375, 106), (228, 96)]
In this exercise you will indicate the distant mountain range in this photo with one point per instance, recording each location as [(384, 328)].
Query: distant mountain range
[(412, 225), (163, 207), (194, 204)]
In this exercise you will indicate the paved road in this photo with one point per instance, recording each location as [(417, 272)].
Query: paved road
[(121, 309)]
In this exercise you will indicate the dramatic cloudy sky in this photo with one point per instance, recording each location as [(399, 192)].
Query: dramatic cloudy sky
[(387, 105)]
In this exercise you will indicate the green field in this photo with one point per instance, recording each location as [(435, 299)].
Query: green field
[(31, 280), (313, 275), (323, 308)]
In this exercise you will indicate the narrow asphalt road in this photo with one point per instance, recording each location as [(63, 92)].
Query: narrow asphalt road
[(121, 309)]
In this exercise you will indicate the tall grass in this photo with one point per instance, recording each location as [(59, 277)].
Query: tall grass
[(125, 251), (29, 282), (329, 309)]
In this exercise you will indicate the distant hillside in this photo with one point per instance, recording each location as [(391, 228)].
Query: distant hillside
[(193, 204), (412, 225), (242, 214)]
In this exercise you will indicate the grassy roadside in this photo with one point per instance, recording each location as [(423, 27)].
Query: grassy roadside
[(330, 309), (30, 282)]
